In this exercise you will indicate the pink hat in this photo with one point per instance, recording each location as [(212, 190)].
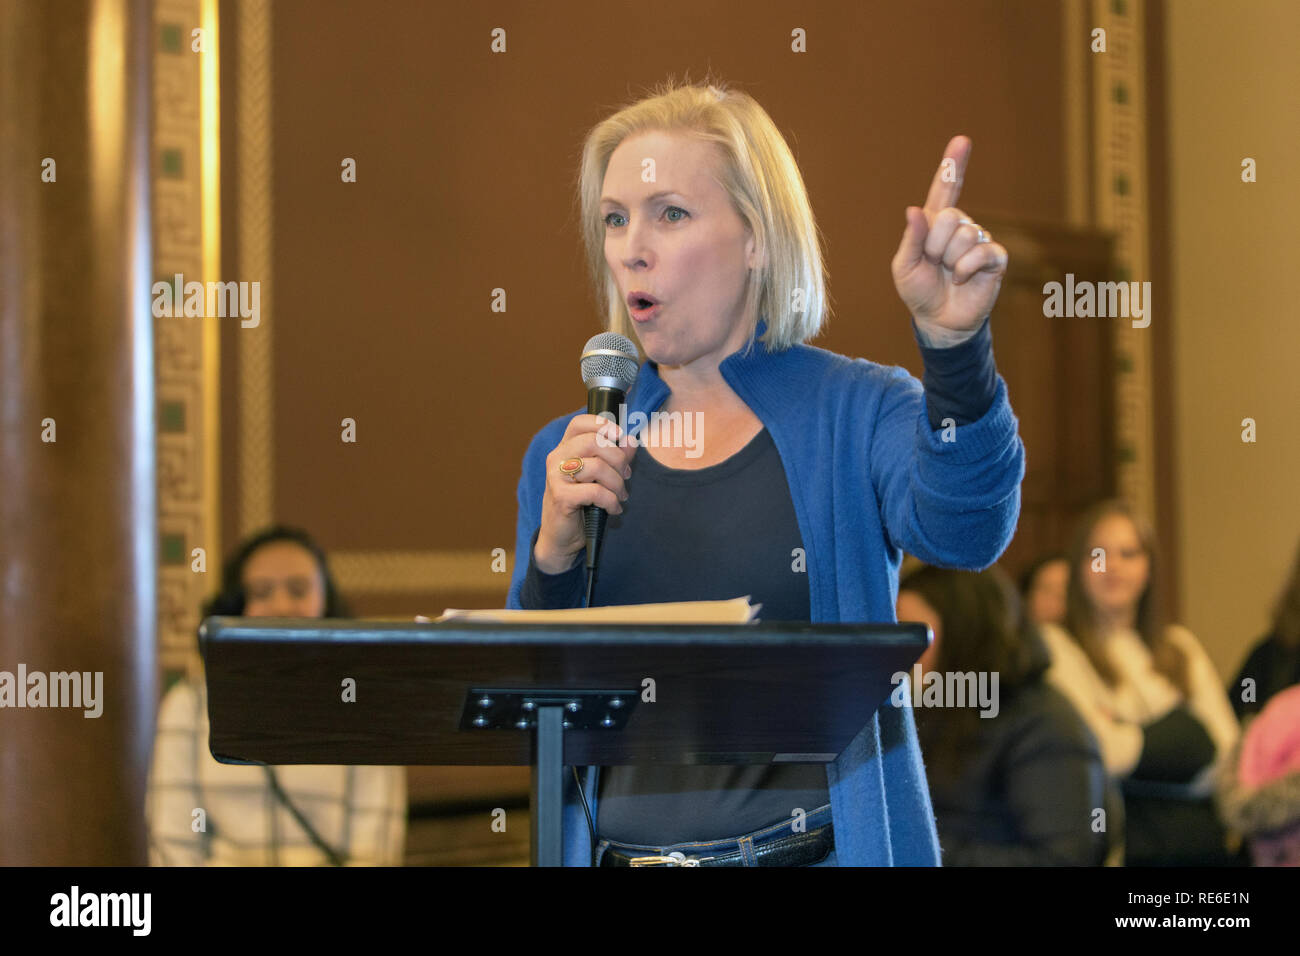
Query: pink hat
[(1259, 788), (1271, 747)]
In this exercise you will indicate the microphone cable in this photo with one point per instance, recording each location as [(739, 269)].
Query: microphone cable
[(591, 827)]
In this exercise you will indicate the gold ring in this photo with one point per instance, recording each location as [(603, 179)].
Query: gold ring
[(571, 467)]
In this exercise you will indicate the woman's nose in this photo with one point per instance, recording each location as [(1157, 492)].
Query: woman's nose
[(636, 250), (282, 604)]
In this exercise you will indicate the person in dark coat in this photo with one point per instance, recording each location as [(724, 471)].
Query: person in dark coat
[(1017, 781)]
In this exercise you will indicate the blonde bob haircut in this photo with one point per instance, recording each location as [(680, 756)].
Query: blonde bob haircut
[(759, 173)]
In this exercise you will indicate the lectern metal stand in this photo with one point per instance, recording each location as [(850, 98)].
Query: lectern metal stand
[(548, 714), (548, 787)]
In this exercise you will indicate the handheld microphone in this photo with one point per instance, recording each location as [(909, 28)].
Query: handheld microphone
[(609, 367)]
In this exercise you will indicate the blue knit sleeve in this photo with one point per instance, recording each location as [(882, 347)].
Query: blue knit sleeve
[(527, 516), (528, 501), (951, 497)]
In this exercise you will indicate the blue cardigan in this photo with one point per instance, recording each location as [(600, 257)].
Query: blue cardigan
[(869, 479)]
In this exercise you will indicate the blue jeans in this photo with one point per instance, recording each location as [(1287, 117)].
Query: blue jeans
[(745, 842)]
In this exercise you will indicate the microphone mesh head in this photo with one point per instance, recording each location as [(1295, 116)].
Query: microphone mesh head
[(609, 356)]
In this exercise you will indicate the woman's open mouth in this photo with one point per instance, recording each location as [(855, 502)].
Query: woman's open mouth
[(641, 306)]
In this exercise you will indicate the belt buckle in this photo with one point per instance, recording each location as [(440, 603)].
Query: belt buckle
[(675, 858)]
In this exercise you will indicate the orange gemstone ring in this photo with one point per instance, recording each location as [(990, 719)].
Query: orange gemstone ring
[(571, 467)]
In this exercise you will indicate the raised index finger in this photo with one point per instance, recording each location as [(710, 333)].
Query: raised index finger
[(946, 185)]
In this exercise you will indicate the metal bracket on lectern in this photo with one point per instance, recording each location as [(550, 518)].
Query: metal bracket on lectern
[(496, 708)]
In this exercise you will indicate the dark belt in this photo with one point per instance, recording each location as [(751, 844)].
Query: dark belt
[(801, 849)]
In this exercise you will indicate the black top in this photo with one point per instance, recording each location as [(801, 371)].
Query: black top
[(702, 535), (1273, 666), (699, 535)]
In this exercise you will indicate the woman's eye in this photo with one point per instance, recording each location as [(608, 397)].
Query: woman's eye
[(670, 209)]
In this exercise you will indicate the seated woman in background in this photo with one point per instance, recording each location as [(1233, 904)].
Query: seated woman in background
[(1020, 787), (1274, 662), (1146, 689), (1042, 588), (257, 815)]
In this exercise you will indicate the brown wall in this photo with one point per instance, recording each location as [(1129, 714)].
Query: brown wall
[(1232, 86), (466, 164)]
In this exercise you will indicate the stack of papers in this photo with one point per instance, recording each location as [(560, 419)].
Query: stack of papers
[(736, 611)]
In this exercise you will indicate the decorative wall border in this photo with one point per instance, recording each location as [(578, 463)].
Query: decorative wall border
[(405, 572), (256, 395), (1077, 119), (1119, 114), (186, 233)]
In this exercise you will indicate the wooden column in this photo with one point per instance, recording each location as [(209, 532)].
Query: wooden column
[(77, 526)]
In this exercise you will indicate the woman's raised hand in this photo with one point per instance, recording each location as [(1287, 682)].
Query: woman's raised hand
[(595, 466), (947, 269)]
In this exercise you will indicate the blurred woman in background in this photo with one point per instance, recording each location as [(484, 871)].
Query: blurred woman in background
[(1042, 587), (258, 815), (1274, 662), (1147, 690), (1021, 787)]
